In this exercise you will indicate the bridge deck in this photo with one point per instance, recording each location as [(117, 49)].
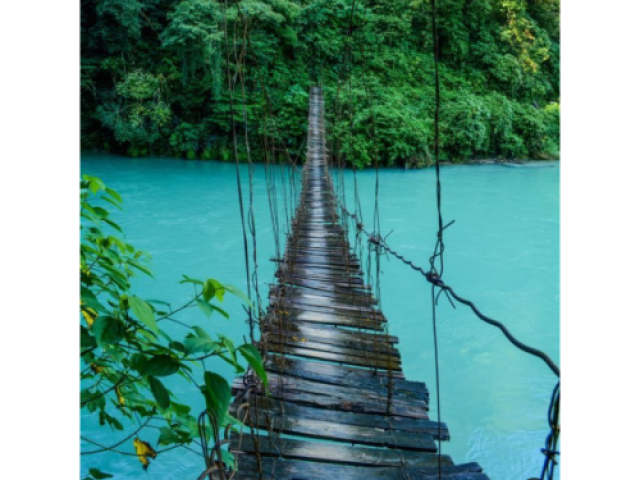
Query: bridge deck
[(338, 405)]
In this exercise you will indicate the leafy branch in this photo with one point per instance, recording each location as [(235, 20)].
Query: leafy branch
[(124, 352)]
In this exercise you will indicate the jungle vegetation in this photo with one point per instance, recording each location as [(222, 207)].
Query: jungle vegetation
[(154, 77)]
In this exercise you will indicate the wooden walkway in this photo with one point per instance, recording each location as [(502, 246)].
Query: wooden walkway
[(338, 405)]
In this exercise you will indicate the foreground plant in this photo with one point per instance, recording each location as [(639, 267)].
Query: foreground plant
[(126, 355)]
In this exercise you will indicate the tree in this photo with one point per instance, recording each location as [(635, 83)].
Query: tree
[(194, 35), (488, 49)]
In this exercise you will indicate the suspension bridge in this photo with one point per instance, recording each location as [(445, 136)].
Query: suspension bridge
[(337, 404)]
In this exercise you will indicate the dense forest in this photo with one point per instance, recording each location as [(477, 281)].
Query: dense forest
[(155, 77)]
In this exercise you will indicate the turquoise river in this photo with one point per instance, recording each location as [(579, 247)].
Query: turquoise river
[(502, 253)]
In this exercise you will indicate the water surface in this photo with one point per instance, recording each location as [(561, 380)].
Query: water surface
[(502, 252)]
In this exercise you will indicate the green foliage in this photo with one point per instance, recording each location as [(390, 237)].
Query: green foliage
[(95, 474), (154, 77), (464, 126), (193, 33), (126, 354), (138, 111)]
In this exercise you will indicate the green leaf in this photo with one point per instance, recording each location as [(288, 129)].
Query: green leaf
[(231, 349), (114, 194), (161, 302), (159, 366), (217, 394), (180, 410), (98, 475), (87, 341), (95, 184), (143, 268), (160, 393), (107, 330), (213, 288), (252, 355), (178, 346), (228, 459), (239, 293), (168, 436), (191, 280), (221, 312), (143, 311), (114, 203), (199, 344), (100, 212), (89, 299), (206, 307), (113, 422), (201, 332)]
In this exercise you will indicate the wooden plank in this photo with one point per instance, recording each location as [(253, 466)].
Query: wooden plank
[(342, 359), (328, 334), (320, 303), (335, 453), (377, 383), (283, 469), (353, 287), (341, 398), (355, 297), (379, 352), (272, 420), (326, 276), (401, 388), (307, 257), (378, 393), (384, 422), (340, 373), (351, 281), (324, 297), (311, 306), (294, 315), (301, 332), (338, 251)]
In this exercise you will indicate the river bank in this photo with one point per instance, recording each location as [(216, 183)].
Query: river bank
[(472, 161)]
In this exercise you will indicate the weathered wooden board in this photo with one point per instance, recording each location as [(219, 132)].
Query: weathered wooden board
[(330, 430), (353, 287), (336, 453), (343, 401), (274, 407), (377, 351), (282, 380), (282, 469), (342, 359), (299, 304), (332, 300), (329, 334), (325, 318), (355, 298), (340, 374)]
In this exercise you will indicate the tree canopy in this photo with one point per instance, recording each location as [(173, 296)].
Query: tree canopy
[(154, 79)]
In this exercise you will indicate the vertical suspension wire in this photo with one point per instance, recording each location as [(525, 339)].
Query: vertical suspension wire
[(439, 248), (272, 193), (231, 90), (376, 160), (251, 215)]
